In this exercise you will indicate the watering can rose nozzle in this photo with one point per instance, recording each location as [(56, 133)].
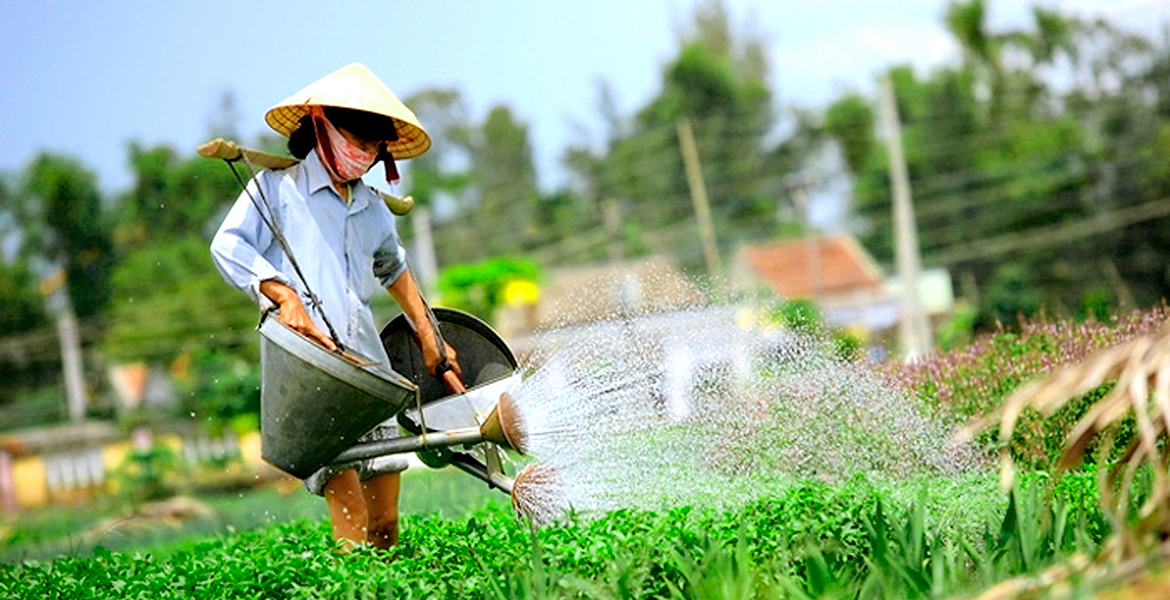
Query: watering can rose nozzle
[(505, 425), (538, 494)]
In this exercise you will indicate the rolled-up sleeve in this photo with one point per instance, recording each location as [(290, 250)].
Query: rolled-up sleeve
[(389, 259), (238, 249)]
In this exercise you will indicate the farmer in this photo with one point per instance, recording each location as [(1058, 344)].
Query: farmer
[(344, 239)]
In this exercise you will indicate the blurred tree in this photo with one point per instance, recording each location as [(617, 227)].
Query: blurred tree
[(169, 299), (172, 197), (29, 353), (168, 295), (55, 237), (63, 224), (719, 82), (1033, 190), (498, 212), (850, 120), (503, 170), (23, 306), (442, 170), (170, 306)]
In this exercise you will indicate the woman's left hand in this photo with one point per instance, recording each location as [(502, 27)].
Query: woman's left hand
[(406, 293), (450, 374), (433, 360)]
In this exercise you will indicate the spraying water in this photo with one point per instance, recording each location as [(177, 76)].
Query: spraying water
[(705, 406)]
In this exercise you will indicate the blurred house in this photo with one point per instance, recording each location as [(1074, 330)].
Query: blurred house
[(139, 384), (587, 294), (841, 277)]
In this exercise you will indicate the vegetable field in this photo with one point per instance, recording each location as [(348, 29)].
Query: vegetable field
[(926, 539), (864, 536)]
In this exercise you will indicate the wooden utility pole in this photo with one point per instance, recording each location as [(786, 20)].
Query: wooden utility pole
[(57, 295), (913, 328), (804, 206), (424, 249), (690, 154), (612, 212)]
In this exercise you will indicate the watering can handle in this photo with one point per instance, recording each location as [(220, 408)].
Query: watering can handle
[(454, 385)]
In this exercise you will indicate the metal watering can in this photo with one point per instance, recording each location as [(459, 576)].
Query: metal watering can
[(315, 404)]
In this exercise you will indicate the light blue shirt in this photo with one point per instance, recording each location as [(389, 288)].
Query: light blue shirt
[(346, 252)]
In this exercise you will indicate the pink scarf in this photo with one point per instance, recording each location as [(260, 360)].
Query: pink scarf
[(345, 161)]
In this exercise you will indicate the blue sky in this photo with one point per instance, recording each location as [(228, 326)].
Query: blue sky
[(85, 78)]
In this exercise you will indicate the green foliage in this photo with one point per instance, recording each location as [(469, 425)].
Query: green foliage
[(805, 316), (717, 82), (801, 315), (959, 328), (478, 288), (850, 121), (172, 197), (500, 217), (170, 299), (219, 387), (1096, 304), (52, 223), (34, 405), (24, 308), (147, 473), (1019, 180), (814, 540), (64, 224), (1010, 297)]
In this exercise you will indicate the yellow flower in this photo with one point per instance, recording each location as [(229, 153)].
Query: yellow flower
[(521, 291)]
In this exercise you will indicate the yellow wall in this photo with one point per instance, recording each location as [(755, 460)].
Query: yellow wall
[(250, 449), (32, 489), (29, 476)]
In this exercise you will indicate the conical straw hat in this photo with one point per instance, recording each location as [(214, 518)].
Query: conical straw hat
[(353, 86)]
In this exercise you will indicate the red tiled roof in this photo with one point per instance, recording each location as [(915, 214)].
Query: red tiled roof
[(813, 267)]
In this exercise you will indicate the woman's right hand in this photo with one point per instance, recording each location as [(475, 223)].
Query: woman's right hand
[(293, 313)]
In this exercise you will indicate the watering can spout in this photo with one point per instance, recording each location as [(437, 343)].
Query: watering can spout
[(505, 426)]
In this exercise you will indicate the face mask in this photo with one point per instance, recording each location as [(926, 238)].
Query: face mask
[(344, 160)]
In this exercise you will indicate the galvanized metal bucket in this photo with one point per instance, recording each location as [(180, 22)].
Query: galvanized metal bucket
[(314, 403), (482, 353)]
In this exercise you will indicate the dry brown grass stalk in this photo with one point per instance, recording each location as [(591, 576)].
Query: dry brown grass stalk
[(1131, 578), (1141, 369)]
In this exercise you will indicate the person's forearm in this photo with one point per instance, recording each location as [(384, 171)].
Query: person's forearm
[(292, 311), (406, 292), (277, 292), (408, 296)]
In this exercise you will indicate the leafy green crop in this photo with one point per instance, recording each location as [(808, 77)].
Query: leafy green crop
[(816, 539)]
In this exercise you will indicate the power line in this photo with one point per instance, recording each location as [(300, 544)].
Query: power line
[(1041, 237)]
